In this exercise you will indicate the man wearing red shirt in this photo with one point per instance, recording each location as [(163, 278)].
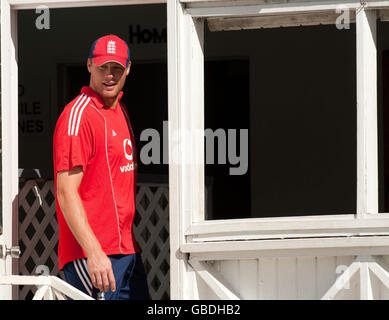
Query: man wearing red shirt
[(95, 181)]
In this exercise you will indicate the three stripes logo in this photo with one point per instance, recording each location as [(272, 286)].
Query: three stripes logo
[(111, 47), (76, 113)]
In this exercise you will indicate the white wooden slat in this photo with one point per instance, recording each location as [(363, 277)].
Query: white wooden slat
[(306, 278), (384, 290), (287, 278), (268, 280), (248, 279), (326, 274), (231, 273), (344, 261), (376, 285)]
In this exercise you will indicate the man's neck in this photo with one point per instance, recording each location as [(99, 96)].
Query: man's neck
[(110, 102)]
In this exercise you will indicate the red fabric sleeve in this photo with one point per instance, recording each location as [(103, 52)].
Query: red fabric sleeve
[(72, 150)]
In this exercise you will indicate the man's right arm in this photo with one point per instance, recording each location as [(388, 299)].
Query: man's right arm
[(99, 265)]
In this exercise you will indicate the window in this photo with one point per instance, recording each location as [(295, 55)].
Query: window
[(294, 90)]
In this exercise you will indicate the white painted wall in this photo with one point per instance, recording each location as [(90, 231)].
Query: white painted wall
[(295, 278)]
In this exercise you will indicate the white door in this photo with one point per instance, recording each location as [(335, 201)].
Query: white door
[(9, 147), (5, 291)]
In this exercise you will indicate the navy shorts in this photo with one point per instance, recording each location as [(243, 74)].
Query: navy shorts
[(129, 272)]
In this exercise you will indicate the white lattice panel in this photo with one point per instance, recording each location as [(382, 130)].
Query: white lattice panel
[(38, 233), (152, 233), (38, 230)]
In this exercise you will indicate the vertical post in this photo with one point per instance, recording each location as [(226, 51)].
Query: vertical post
[(193, 116), (186, 139), (9, 124), (367, 155), (365, 286)]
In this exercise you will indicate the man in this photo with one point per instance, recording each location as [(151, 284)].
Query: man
[(95, 179)]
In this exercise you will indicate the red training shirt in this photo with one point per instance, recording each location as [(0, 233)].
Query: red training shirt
[(100, 139)]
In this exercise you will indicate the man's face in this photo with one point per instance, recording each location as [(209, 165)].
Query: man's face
[(108, 79)]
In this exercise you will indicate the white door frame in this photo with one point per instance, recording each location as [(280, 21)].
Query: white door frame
[(9, 114), (186, 155)]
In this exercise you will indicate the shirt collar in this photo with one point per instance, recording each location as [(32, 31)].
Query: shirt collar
[(95, 97)]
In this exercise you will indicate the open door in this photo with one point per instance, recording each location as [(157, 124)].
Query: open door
[(9, 148)]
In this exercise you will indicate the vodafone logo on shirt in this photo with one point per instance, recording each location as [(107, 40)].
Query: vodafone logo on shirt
[(127, 147), (127, 142)]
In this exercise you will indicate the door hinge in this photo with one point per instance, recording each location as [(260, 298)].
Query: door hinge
[(14, 252)]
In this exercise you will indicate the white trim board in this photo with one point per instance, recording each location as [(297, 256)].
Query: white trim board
[(275, 21), (288, 227), (315, 247), (28, 4), (220, 9)]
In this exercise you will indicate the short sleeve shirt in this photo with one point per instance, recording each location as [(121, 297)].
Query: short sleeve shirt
[(101, 141)]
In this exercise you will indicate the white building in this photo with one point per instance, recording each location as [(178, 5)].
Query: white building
[(307, 219)]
